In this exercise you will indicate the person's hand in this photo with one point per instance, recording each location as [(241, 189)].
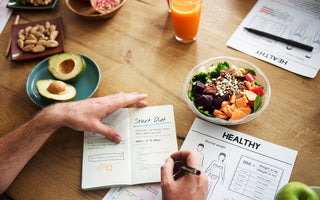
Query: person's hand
[(188, 186), (86, 115)]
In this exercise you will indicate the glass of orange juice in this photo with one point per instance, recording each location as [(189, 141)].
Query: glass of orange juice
[(185, 15)]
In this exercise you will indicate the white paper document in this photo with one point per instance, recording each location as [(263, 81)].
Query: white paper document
[(238, 166), (5, 14), (135, 192), (148, 138), (297, 20)]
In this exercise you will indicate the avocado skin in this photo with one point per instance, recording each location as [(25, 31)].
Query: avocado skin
[(52, 67), (49, 100), (52, 101)]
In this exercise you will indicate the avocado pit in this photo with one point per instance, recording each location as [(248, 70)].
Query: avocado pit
[(57, 87)]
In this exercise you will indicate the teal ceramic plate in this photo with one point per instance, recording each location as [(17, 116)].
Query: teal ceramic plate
[(86, 85), (15, 4)]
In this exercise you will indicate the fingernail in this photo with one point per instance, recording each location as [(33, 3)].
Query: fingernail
[(117, 139)]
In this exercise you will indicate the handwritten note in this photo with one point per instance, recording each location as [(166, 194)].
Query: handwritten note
[(148, 138)]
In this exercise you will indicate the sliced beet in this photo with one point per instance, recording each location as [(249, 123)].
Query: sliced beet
[(204, 101), (199, 87), (197, 94), (225, 97), (216, 102)]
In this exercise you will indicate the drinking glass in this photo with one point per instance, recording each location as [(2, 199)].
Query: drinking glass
[(185, 15)]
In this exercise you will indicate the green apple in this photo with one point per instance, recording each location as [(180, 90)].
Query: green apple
[(296, 191)]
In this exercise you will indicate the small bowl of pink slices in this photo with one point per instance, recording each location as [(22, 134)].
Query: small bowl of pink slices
[(227, 90), (95, 9)]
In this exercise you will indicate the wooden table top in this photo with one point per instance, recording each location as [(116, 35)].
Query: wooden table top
[(136, 51)]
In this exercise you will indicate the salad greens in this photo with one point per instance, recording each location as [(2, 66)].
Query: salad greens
[(257, 103), (222, 83)]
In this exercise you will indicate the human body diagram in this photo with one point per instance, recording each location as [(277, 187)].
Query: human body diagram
[(301, 34), (201, 155), (215, 173)]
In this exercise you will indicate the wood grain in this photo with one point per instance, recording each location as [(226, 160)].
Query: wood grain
[(136, 51)]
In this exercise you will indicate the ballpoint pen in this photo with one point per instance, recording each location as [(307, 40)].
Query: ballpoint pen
[(186, 168), (280, 39)]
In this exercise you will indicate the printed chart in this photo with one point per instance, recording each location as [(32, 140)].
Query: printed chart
[(255, 179), (296, 20)]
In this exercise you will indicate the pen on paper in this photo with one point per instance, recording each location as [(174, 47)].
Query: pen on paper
[(186, 168), (16, 21), (280, 39)]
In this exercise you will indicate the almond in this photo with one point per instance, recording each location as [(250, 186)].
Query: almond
[(38, 49), (51, 43)]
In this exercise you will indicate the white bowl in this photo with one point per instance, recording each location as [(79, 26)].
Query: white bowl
[(260, 78)]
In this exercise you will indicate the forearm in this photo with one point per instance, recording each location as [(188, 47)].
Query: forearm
[(19, 146)]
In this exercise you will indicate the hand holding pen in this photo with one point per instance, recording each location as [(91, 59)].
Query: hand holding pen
[(185, 168), (182, 177)]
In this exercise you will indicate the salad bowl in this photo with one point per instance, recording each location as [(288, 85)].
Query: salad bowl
[(207, 66)]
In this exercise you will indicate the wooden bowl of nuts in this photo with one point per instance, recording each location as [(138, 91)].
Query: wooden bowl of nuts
[(37, 40), (87, 8)]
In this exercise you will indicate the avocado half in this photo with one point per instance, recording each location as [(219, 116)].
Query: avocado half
[(53, 91), (67, 67)]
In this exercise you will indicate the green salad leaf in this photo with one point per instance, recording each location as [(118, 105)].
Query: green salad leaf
[(200, 76), (205, 112), (251, 71), (216, 72), (258, 84), (191, 96), (257, 103), (223, 66)]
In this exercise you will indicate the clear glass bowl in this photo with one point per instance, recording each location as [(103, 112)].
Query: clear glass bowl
[(261, 79)]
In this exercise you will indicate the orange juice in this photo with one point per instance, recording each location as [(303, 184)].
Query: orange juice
[(185, 15)]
